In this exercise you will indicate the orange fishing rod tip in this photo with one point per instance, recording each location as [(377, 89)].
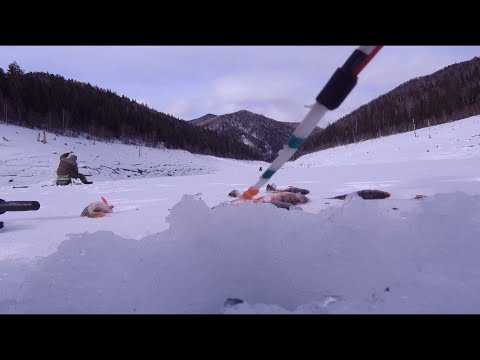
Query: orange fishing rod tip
[(251, 192)]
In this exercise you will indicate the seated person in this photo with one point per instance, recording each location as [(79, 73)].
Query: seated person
[(68, 169)]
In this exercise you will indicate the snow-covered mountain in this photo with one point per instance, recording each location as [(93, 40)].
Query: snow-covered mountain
[(202, 118), (171, 245), (257, 131)]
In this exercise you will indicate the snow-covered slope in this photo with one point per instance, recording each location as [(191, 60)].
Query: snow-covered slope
[(27, 161), (455, 140)]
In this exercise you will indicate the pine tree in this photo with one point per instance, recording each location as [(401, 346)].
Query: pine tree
[(15, 70)]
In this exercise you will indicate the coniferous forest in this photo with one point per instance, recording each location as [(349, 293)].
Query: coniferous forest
[(450, 94), (53, 103)]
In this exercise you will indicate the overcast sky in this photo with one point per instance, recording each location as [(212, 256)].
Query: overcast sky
[(191, 81)]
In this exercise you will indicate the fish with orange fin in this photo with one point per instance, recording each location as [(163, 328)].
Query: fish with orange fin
[(97, 209)]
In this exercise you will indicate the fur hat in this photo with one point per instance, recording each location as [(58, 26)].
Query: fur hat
[(72, 159)]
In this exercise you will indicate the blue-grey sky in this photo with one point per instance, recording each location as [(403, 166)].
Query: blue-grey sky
[(191, 81)]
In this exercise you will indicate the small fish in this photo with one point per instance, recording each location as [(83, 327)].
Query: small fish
[(272, 189), (284, 197), (295, 190), (234, 193), (282, 205), (97, 209), (366, 194), (283, 200)]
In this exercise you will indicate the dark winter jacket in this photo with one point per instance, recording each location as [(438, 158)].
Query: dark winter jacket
[(68, 166)]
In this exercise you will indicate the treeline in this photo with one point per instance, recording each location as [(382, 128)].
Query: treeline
[(450, 94), (50, 102)]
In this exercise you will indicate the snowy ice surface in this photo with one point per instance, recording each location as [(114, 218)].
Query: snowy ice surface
[(169, 247)]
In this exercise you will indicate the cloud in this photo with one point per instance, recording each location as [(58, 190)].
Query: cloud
[(273, 93), (179, 108), (190, 81)]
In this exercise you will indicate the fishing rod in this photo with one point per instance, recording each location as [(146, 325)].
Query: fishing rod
[(17, 206), (331, 97)]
